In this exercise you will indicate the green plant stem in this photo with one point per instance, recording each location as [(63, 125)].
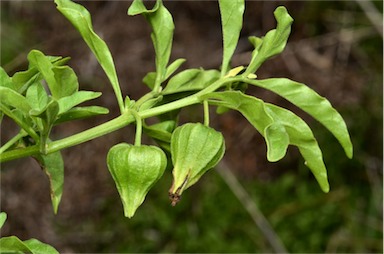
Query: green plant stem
[(206, 113), (84, 136), (24, 126), (112, 125), (13, 140), (157, 85), (144, 98), (139, 127)]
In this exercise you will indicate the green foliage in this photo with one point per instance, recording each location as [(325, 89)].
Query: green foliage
[(37, 111), (162, 26), (12, 244), (81, 19), (194, 148), (273, 43), (231, 21), (312, 103)]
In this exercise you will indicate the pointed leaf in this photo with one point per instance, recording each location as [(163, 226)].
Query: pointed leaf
[(180, 79), (150, 78), (231, 21), (66, 103), (53, 166), (173, 67), (311, 102), (150, 103), (81, 113), (300, 135), (274, 41), (162, 26), (262, 115), (191, 80), (81, 20)]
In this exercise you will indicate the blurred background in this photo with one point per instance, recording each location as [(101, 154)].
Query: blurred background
[(247, 204)]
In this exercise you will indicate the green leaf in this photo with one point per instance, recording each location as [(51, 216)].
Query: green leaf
[(12, 244), (44, 65), (23, 79), (300, 135), (3, 218), (308, 100), (66, 80), (81, 113), (5, 80), (38, 247), (255, 112), (191, 80), (274, 41), (81, 19), (251, 108), (173, 67), (180, 79), (275, 123), (162, 26), (150, 103), (37, 97), (13, 99), (150, 78), (38, 100), (66, 103), (53, 166), (62, 80), (231, 21), (277, 140), (161, 131)]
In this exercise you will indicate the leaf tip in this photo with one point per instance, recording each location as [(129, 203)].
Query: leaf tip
[(349, 152), (325, 189)]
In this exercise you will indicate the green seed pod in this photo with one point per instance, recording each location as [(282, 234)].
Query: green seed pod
[(195, 148), (135, 170)]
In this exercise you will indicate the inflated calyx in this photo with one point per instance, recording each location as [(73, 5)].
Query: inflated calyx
[(195, 148), (135, 170)]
